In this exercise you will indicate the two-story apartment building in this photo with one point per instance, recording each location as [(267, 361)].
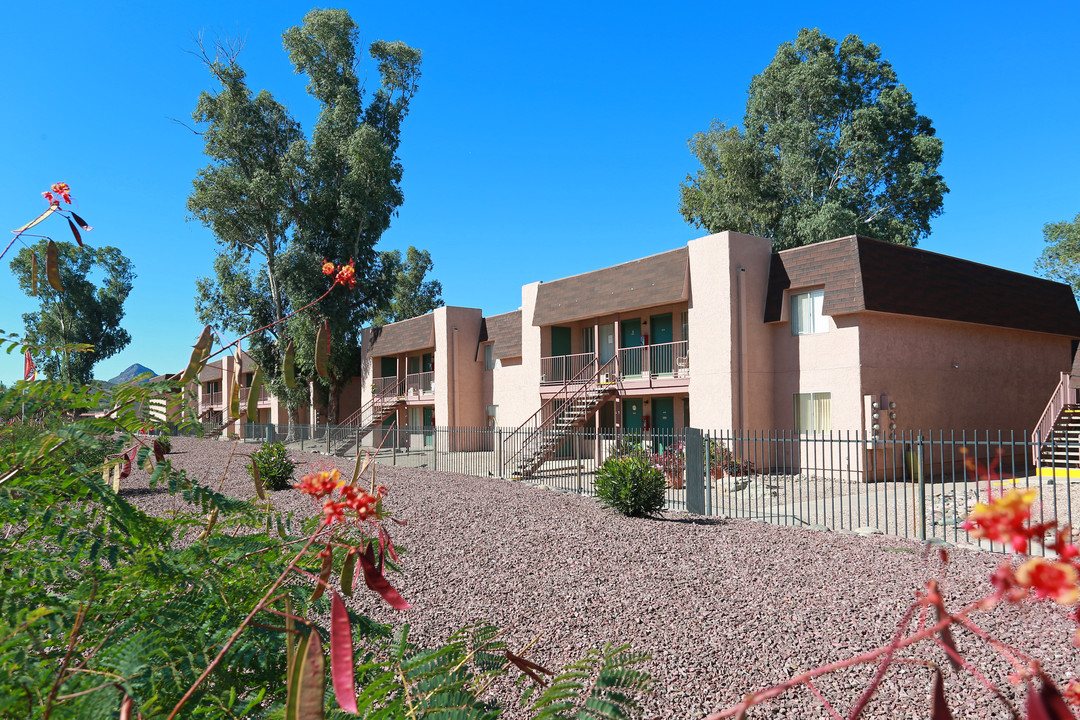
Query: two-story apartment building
[(851, 334)]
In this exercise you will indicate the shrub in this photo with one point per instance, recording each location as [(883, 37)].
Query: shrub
[(631, 486), (275, 467), (166, 443)]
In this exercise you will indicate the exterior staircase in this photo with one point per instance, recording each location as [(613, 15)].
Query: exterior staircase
[(1061, 449), (1056, 439), (371, 415), (539, 437)]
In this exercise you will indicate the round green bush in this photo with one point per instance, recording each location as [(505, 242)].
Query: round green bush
[(275, 467), (631, 486)]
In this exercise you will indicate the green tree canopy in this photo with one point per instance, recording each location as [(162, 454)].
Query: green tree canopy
[(1060, 259), (83, 313), (831, 145), (414, 295), (281, 203)]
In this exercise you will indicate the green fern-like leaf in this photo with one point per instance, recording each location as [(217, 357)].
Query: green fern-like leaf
[(603, 685)]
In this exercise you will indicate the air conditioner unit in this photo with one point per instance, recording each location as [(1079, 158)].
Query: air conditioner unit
[(605, 378)]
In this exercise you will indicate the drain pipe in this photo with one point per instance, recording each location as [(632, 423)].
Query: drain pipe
[(740, 338)]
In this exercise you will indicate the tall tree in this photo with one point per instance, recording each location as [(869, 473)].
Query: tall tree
[(83, 313), (414, 294), (352, 176), (1060, 259), (281, 204), (831, 145)]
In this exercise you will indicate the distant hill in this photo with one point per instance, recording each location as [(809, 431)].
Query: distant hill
[(130, 374)]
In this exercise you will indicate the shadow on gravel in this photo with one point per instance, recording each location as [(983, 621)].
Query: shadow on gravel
[(143, 492), (695, 520)]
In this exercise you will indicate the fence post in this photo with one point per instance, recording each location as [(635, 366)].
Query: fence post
[(499, 451), (434, 448), (922, 489), (270, 433), (693, 441), (708, 474), (577, 459), (327, 438)]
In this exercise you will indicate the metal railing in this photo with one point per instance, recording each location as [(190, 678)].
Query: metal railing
[(420, 384), (245, 393), (381, 384), (1063, 395), (557, 369), (669, 359), (632, 361), (917, 485), (209, 400)]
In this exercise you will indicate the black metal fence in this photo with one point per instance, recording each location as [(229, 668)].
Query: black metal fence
[(918, 485)]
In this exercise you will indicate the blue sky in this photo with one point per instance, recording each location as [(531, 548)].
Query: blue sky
[(546, 139)]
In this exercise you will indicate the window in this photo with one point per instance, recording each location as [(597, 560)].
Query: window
[(806, 315), (489, 356), (813, 413)]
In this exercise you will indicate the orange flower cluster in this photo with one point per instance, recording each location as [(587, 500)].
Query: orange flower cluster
[(343, 274), (60, 189), (323, 484), (1005, 520)]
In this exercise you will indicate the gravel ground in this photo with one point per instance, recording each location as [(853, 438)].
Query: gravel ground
[(723, 606)]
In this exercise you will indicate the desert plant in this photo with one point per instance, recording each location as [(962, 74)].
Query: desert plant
[(165, 442), (275, 467), (630, 485)]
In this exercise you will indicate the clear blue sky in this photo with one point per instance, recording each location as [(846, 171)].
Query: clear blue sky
[(546, 139)]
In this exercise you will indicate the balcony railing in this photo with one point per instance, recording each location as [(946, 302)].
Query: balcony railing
[(558, 369), (383, 383), (669, 359), (245, 393), (420, 383), (209, 400), (665, 360)]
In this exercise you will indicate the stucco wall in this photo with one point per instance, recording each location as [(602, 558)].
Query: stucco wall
[(946, 375), (716, 377), (459, 391), (823, 362)]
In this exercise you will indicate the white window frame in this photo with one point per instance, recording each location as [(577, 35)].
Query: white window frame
[(588, 339), (818, 413), (807, 317)]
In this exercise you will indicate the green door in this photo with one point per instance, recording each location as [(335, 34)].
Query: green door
[(661, 361), (630, 340), (631, 415), (429, 426), (663, 410), (388, 367), (560, 346), (428, 362)]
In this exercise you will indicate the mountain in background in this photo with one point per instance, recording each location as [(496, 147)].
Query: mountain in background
[(130, 374)]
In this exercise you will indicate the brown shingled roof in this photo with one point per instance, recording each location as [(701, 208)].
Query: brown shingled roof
[(211, 371), (413, 334), (655, 280), (505, 331), (861, 273)]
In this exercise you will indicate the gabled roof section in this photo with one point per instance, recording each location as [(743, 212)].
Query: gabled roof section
[(210, 371), (860, 273), (416, 333), (504, 331), (655, 280)]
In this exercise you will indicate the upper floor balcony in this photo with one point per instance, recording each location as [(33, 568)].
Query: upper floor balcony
[(661, 364)]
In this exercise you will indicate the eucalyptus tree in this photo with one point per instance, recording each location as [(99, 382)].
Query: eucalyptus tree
[(282, 203), (831, 145), (413, 293), (83, 314), (1060, 259)]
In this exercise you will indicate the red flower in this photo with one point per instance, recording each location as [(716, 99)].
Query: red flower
[(1072, 692), (1049, 579), (319, 484), (63, 191), (49, 198), (346, 275), (333, 512), (327, 267), (1003, 520)]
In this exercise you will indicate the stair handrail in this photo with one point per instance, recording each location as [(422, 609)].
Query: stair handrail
[(583, 388), (1058, 400), (394, 390)]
